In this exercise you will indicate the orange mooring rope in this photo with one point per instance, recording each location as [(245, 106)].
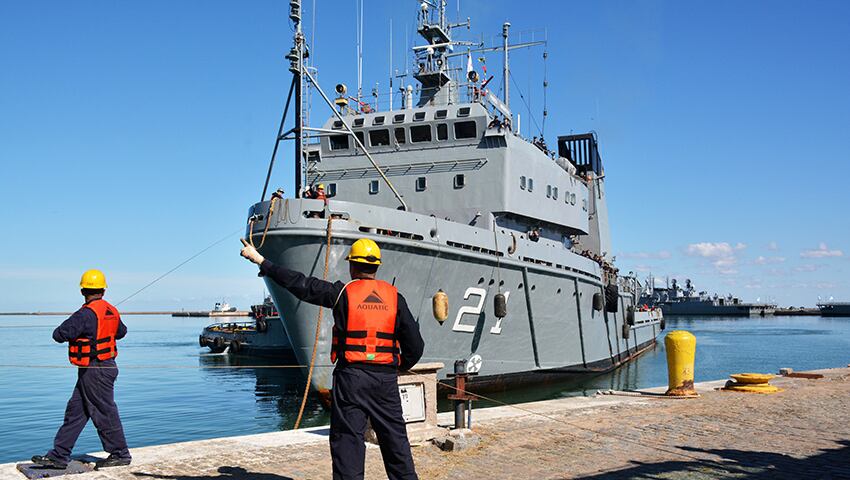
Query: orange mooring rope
[(318, 327)]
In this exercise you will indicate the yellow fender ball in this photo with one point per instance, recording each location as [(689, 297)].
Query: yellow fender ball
[(440, 306)]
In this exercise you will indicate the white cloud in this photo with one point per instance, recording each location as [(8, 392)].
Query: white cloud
[(723, 255), (772, 246), (821, 252), (762, 260), (806, 268)]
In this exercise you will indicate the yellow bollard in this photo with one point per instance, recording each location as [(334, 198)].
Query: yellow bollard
[(681, 349)]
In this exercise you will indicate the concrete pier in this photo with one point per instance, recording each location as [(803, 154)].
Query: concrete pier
[(802, 432)]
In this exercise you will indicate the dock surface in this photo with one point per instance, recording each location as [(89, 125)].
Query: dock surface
[(801, 432)]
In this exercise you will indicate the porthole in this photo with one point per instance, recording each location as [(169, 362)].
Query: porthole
[(522, 182), (421, 184), (374, 187), (530, 184), (572, 199), (554, 193), (548, 191)]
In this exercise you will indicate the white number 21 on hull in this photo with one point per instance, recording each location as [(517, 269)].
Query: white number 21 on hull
[(475, 310)]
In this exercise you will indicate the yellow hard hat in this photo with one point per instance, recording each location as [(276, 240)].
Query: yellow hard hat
[(322, 186), (93, 279), (365, 251)]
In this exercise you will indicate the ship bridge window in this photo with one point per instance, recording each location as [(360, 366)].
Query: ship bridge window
[(420, 133), (418, 116), (442, 132), (460, 180), (374, 187), (421, 184), (358, 122), (522, 182), (337, 125), (378, 120), (339, 142), (400, 137), (398, 118), (465, 130), (379, 138), (441, 114), (463, 112), (360, 137)]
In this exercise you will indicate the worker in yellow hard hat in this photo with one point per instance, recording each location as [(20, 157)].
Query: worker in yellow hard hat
[(91, 333), (374, 337)]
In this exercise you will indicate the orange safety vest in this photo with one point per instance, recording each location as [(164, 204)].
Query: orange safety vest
[(80, 350), (370, 324)]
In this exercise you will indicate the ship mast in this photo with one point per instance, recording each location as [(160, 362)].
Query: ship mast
[(296, 66)]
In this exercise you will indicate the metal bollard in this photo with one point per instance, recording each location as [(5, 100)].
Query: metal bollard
[(681, 349), (460, 397)]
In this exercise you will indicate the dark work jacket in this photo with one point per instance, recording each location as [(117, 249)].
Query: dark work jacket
[(319, 292), (83, 323)]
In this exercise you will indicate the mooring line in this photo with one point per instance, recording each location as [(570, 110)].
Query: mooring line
[(660, 448), (318, 323), (161, 367), (184, 262)]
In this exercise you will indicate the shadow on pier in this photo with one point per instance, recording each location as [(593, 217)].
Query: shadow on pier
[(226, 473), (740, 464)]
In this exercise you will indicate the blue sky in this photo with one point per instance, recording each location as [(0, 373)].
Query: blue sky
[(132, 135)]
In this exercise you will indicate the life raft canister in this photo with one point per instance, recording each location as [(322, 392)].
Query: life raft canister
[(370, 324), (80, 351)]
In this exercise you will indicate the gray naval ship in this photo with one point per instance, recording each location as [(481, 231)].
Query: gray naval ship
[(516, 236), (832, 308), (675, 300)]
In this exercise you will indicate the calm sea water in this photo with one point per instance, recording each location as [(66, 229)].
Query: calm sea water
[(164, 405)]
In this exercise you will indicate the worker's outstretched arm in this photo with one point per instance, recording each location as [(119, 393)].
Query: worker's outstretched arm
[(308, 289), (408, 337)]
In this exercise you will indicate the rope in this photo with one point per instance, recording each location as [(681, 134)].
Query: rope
[(318, 325), (184, 262), (213, 367), (658, 447), (275, 198)]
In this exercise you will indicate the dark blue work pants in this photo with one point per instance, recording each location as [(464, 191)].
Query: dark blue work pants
[(359, 395), (92, 399)]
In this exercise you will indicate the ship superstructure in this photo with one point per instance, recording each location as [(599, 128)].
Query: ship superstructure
[(458, 202)]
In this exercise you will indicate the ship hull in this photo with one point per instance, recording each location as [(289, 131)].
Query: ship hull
[(551, 327), (708, 309), (835, 309)]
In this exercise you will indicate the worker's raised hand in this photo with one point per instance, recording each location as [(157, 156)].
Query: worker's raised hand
[(250, 252)]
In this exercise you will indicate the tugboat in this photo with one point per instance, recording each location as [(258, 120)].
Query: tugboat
[(265, 336), (675, 300), (462, 205)]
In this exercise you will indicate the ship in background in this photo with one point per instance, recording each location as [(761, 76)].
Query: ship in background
[(831, 308), (675, 300), (516, 235)]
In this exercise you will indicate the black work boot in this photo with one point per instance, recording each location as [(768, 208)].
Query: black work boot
[(47, 461), (112, 460)]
